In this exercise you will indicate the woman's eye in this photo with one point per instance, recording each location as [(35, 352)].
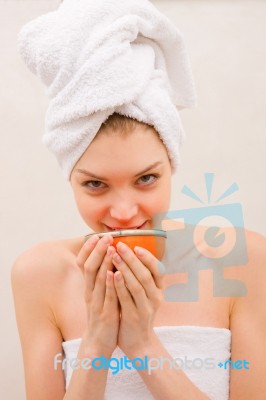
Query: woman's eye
[(144, 180), (94, 185), (148, 179)]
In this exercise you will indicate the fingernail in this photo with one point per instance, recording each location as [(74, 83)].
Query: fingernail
[(106, 239), (110, 250), (121, 247), (93, 240), (117, 258), (139, 251), (118, 276)]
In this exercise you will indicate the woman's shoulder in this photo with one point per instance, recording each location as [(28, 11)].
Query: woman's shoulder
[(254, 265), (255, 271), (53, 259), (252, 273), (256, 246)]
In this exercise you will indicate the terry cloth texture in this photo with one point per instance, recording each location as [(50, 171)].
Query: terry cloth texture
[(199, 352), (106, 56)]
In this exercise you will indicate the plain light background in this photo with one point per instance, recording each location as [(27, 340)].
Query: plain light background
[(225, 135)]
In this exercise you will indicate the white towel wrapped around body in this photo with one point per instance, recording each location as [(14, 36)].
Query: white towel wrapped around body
[(106, 56), (199, 351)]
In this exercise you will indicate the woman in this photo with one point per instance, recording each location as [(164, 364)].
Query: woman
[(66, 294)]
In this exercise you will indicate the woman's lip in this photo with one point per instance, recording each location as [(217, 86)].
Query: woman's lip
[(122, 228)]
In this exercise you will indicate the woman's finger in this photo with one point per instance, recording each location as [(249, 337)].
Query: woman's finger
[(86, 250), (140, 292), (123, 294), (137, 263), (95, 260), (111, 299), (99, 289), (156, 267)]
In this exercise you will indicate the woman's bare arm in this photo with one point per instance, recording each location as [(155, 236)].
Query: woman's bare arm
[(248, 326), (40, 337), (34, 284)]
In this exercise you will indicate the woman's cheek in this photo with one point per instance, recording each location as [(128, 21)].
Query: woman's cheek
[(85, 207), (162, 202), (92, 211)]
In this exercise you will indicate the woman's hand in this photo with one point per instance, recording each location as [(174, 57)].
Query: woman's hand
[(95, 261), (138, 284)]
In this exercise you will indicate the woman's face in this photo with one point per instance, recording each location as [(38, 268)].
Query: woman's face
[(122, 180)]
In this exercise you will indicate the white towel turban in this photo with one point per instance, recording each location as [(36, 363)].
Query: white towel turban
[(98, 57)]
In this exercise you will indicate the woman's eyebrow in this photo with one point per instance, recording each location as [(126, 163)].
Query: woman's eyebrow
[(99, 178)]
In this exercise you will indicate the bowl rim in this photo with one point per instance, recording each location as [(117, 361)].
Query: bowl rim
[(130, 232)]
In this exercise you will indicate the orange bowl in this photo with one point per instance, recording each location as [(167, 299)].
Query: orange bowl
[(150, 239)]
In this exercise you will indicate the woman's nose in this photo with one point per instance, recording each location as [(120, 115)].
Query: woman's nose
[(123, 210)]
